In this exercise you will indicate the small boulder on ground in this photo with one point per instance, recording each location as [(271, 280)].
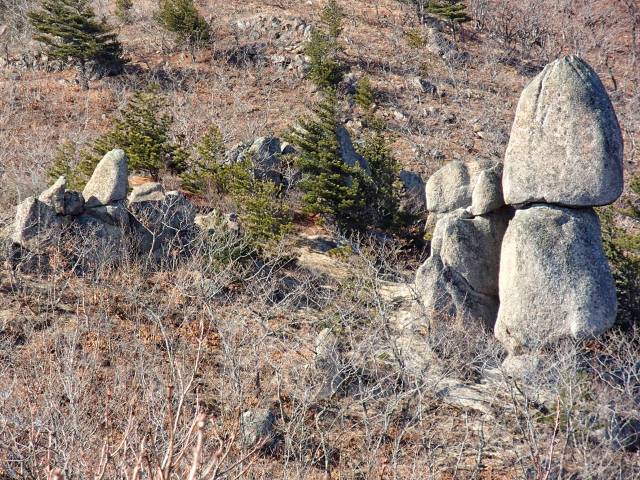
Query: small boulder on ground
[(566, 146), (256, 427), (108, 184)]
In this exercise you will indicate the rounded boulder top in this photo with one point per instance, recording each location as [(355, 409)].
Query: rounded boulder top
[(566, 146)]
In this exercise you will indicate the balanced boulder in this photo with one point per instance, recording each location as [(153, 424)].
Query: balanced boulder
[(554, 278), (565, 146), (108, 184)]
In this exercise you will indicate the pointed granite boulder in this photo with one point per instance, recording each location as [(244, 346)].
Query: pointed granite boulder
[(108, 184), (565, 147)]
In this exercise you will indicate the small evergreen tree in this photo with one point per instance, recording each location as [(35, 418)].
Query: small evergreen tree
[(453, 13), (624, 258), (330, 186), (207, 170), (65, 164), (365, 97), (181, 17), (123, 9), (71, 33), (263, 213), (323, 48), (142, 130), (383, 194)]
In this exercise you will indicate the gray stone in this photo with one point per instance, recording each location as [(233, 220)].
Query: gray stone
[(412, 197), (96, 242), (328, 363), (108, 183), (449, 188), (460, 278), (265, 153), (349, 154), (554, 278), (115, 214), (54, 195), (161, 224), (151, 191), (487, 191), (565, 147), (471, 247), (445, 293), (36, 226), (256, 427), (73, 203)]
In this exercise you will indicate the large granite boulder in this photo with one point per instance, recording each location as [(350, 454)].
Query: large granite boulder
[(471, 247), (565, 147), (108, 184), (445, 293), (554, 278)]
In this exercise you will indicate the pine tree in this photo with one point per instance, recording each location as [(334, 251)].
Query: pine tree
[(72, 33), (123, 9), (323, 48), (207, 170), (181, 17), (452, 12), (330, 186), (383, 194), (263, 213), (365, 96), (142, 130), (64, 164)]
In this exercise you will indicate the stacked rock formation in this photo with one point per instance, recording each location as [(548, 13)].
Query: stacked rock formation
[(564, 157), (460, 278), (522, 241), (101, 216)]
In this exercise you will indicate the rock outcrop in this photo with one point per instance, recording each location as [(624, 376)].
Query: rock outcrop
[(566, 145), (543, 269), (460, 278), (94, 226)]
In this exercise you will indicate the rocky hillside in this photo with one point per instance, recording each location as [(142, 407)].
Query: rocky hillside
[(213, 265)]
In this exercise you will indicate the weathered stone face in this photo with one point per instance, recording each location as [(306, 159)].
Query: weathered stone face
[(461, 276), (554, 278), (565, 147), (36, 225), (108, 184)]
